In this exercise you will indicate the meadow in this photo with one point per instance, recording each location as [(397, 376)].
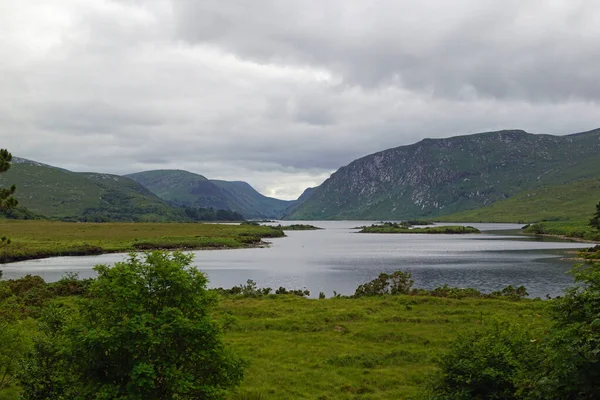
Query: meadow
[(379, 347), (40, 239), (355, 348)]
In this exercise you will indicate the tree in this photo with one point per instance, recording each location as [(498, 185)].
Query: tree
[(6, 199), (145, 332), (573, 365), (595, 221)]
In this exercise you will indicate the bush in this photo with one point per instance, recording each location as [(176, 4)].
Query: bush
[(573, 364), (396, 283), (145, 332), (497, 363)]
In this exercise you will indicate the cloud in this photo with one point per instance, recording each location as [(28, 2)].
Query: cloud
[(281, 94)]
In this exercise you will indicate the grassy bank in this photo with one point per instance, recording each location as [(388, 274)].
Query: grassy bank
[(381, 347), (40, 239), (354, 348), (392, 227), (567, 229)]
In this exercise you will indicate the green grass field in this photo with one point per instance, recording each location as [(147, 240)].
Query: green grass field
[(565, 202), (39, 239), (350, 348)]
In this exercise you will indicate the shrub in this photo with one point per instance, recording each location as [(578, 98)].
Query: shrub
[(573, 364), (396, 283), (145, 332), (496, 363)]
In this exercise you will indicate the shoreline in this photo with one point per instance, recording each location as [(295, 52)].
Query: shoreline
[(260, 245), (562, 237)]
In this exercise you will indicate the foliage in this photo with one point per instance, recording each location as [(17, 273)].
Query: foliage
[(570, 229), (14, 343), (573, 366), (48, 371), (498, 362), (250, 289), (145, 332), (7, 200), (595, 221), (396, 283), (210, 214), (39, 239), (394, 227)]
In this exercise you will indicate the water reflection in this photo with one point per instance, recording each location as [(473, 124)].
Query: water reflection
[(340, 259)]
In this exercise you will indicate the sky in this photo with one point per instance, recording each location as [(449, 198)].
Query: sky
[(281, 93)]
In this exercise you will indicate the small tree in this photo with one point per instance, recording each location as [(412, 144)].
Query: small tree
[(6, 199), (595, 221), (145, 332), (398, 282)]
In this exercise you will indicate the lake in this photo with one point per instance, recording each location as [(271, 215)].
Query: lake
[(339, 259)]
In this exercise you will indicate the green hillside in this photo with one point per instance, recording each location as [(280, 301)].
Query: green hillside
[(437, 177), (186, 188), (58, 193), (570, 201)]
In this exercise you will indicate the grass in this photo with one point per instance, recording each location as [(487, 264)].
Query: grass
[(40, 239), (381, 347), (355, 348), (549, 203), (570, 229), (298, 227), (392, 227)]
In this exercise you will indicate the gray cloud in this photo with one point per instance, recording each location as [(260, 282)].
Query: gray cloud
[(281, 94)]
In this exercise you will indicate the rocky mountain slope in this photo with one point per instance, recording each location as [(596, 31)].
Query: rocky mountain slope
[(186, 188), (59, 193), (436, 177)]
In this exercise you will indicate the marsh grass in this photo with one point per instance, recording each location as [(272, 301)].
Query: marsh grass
[(40, 239), (353, 348)]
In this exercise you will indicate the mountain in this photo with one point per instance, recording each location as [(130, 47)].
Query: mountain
[(570, 201), (59, 193), (186, 188), (436, 177)]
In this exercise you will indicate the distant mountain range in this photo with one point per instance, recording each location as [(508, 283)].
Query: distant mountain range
[(146, 196), (437, 177), (185, 188), (59, 193), (506, 175)]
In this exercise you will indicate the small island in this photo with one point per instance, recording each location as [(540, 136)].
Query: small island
[(298, 227), (394, 227)]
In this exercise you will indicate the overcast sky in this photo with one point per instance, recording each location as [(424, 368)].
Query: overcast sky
[(281, 93)]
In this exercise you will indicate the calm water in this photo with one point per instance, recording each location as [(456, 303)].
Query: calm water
[(340, 259)]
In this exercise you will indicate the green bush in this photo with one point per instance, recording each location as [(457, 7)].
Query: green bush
[(144, 332), (398, 282), (499, 362), (573, 363)]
